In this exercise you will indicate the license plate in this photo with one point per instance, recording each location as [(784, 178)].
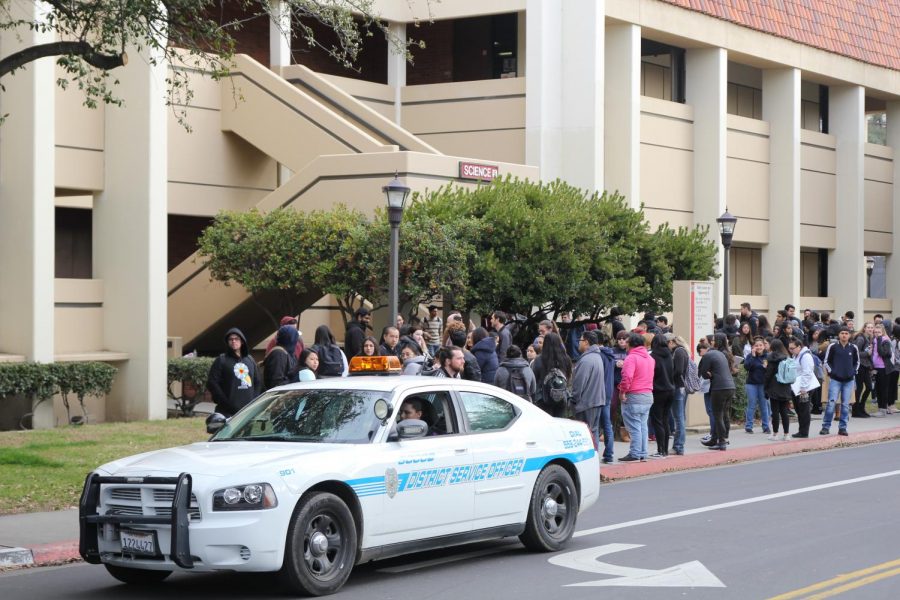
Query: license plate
[(138, 542)]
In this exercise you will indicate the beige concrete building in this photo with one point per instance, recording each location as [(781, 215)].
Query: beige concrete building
[(684, 107)]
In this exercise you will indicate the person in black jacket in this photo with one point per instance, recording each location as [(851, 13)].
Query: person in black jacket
[(552, 356), (780, 394), (356, 331), (233, 379), (755, 365), (280, 366), (485, 350), (663, 393), (471, 372)]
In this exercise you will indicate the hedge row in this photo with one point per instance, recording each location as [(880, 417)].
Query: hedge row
[(41, 381)]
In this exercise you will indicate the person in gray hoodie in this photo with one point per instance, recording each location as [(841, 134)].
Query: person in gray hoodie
[(589, 389), (514, 374)]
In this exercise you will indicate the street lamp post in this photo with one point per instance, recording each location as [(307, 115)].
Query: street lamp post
[(396, 194), (726, 224), (870, 266)]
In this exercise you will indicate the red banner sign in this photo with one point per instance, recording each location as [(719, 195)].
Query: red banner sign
[(477, 171)]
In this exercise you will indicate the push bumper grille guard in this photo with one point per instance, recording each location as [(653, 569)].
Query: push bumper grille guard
[(90, 521)]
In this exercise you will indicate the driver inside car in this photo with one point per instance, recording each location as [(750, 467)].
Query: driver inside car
[(417, 408)]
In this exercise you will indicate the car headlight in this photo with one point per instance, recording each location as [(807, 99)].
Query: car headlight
[(252, 496)]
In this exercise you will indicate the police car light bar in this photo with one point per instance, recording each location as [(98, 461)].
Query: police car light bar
[(375, 365)]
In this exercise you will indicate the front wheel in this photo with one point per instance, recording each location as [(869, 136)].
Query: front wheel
[(552, 511), (321, 546), (136, 576)]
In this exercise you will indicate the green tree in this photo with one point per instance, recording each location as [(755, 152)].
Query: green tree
[(91, 36), (283, 256), (547, 248)]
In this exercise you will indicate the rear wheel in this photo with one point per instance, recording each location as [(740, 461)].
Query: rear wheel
[(136, 576), (552, 511), (321, 546)]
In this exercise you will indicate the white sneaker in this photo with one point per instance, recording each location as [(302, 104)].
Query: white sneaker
[(785, 437), (774, 437), (881, 413)]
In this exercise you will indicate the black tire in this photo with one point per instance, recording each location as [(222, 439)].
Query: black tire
[(552, 511), (321, 546), (136, 576)]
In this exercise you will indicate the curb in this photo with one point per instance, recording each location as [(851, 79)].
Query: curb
[(619, 472), (15, 557)]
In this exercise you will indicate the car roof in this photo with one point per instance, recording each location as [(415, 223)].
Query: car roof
[(397, 383)]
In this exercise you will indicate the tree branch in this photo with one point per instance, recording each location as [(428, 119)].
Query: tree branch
[(81, 49)]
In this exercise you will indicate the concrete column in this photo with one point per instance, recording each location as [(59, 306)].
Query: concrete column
[(130, 240), (279, 35), (564, 90), (706, 83), (27, 158), (846, 272), (781, 256), (892, 267), (623, 112), (397, 67)]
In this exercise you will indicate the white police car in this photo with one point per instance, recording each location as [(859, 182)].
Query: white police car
[(310, 479)]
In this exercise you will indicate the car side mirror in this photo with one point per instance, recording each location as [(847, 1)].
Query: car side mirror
[(215, 422), (408, 429)]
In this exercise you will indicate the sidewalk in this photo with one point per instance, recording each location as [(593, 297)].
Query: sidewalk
[(40, 539)]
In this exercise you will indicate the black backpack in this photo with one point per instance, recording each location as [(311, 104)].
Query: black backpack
[(330, 362), (556, 387), (517, 384)]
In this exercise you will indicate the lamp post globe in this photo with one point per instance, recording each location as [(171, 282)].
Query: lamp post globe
[(395, 193), (726, 223)]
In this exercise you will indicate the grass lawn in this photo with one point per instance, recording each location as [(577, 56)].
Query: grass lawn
[(45, 470)]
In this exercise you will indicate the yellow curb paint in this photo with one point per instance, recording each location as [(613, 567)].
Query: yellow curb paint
[(842, 579)]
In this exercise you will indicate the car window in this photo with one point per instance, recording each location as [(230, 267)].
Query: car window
[(437, 411), (487, 413)]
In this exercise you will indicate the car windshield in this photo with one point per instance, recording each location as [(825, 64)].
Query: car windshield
[(317, 415)]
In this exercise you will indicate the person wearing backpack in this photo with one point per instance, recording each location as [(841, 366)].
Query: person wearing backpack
[(804, 382), (755, 365), (552, 360), (589, 392), (882, 361), (779, 394), (841, 364), (332, 361), (279, 365), (515, 375)]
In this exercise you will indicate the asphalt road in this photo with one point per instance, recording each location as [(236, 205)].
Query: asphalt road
[(805, 526)]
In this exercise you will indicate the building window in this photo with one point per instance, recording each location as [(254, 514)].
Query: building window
[(465, 50), (814, 273), (184, 231), (814, 107), (744, 101), (74, 240), (876, 126), (746, 271), (662, 71)]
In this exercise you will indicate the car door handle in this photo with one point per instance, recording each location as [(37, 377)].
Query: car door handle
[(461, 450), (531, 444)]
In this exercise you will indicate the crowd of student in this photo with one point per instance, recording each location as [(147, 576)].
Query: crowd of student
[(601, 375)]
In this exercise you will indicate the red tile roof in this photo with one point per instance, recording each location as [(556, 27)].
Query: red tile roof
[(866, 30)]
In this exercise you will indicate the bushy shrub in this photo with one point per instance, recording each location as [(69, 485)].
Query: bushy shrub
[(41, 381), (192, 373)]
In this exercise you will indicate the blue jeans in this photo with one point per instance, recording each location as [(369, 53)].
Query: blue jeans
[(756, 396), (635, 417), (604, 420), (707, 403), (846, 390), (678, 418)]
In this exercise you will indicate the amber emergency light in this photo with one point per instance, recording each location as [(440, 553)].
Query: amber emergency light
[(375, 365)]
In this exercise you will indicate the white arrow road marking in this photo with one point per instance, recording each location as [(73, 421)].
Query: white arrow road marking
[(689, 574)]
